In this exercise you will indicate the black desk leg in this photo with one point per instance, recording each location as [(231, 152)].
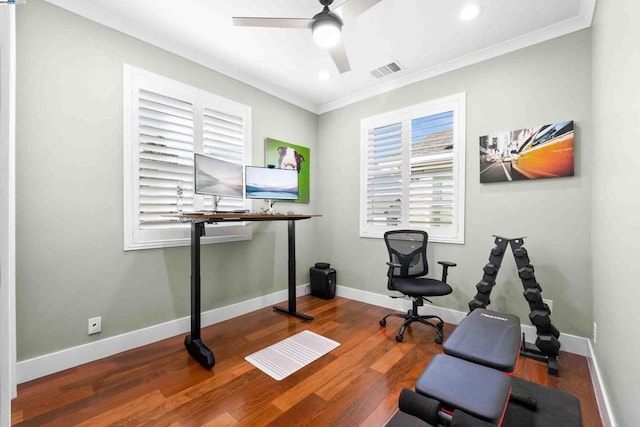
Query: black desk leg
[(292, 276), (193, 342)]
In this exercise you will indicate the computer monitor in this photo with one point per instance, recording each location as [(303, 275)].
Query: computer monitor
[(216, 177), (271, 183)]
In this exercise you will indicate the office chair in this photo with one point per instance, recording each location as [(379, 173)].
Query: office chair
[(407, 266)]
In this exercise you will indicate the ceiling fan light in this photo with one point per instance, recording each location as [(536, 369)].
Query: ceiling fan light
[(326, 29)]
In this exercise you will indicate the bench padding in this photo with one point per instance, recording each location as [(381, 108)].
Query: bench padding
[(478, 390), (488, 338)]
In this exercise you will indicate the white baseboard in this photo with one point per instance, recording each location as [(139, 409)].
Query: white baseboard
[(47, 364), (570, 343), (604, 407)]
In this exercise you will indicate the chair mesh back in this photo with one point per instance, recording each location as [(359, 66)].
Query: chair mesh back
[(409, 249)]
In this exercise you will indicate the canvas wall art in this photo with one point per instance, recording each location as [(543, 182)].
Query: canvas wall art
[(284, 155), (532, 153)]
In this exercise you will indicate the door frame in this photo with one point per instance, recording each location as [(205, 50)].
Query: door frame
[(8, 388)]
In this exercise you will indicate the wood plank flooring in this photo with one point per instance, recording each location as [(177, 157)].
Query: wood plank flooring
[(356, 384)]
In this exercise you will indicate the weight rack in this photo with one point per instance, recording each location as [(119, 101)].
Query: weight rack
[(547, 346)]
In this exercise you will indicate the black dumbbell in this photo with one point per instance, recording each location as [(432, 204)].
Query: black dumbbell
[(473, 304), (540, 318), (548, 344), (496, 251), (520, 252), (483, 297), (533, 285), (484, 287), (490, 269), (548, 330), (533, 295), (526, 272)]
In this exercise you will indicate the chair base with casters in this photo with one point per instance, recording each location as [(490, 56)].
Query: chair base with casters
[(413, 316)]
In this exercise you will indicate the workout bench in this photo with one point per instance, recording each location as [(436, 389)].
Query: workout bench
[(470, 384)]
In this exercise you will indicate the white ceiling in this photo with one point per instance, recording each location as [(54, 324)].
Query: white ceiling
[(425, 37)]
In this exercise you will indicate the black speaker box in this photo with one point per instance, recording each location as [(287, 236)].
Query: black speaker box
[(323, 281)]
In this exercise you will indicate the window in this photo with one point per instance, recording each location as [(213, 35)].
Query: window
[(412, 173), (165, 123), (552, 132)]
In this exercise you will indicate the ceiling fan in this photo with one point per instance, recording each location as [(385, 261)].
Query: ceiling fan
[(325, 26)]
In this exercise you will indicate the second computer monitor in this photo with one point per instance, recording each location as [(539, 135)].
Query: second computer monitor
[(216, 177), (271, 183)]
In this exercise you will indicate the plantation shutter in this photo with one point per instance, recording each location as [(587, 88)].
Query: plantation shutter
[(412, 170), (223, 138), (165, 123), (431, 185), (384, 175), (165, 158)]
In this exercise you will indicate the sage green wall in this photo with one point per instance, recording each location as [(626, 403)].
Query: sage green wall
[(616, 233), (71, 265), (70, 261), (540, 84)]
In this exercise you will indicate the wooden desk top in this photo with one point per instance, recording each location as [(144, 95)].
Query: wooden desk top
[(230, 216)]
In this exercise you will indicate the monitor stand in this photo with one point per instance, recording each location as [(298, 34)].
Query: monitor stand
[(270, 210), (216, 202)]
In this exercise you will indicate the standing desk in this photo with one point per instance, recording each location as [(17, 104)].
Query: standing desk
[(193, 342)]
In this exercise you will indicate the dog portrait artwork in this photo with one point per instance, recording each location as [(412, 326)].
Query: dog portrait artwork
[(289, 159), (283, 155)]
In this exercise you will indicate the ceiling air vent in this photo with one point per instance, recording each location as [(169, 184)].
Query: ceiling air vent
[(385, 70)]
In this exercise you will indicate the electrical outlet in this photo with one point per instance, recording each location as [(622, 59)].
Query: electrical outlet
[(595, 332), (549, 302), (95, 325)]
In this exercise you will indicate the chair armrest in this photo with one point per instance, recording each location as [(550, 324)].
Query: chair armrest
[(445, 268), (447, 263), (392, 266)]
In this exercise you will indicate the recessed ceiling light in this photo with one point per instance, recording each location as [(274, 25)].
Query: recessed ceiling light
[(470, 11), (323, 75)]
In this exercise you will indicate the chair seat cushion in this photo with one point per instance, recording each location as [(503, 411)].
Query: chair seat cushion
[(477, 390), (488, 338), (421, 287)]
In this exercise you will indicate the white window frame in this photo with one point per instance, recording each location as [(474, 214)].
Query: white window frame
[(454, 103), (179, 234)]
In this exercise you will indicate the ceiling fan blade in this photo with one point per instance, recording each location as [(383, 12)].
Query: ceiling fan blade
[(272, 22), (352, 8), (339, 56)]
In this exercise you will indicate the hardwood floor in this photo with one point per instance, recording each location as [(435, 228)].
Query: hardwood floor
[(358, 383)]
